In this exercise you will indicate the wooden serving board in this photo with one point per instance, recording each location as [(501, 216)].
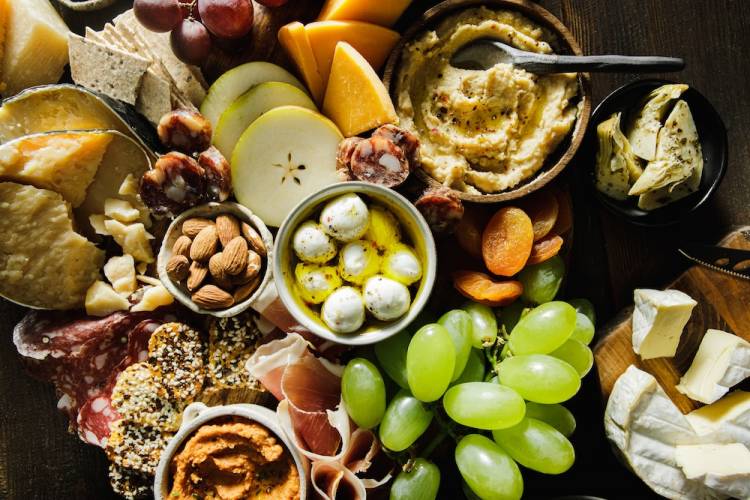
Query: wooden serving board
[(723, 303)]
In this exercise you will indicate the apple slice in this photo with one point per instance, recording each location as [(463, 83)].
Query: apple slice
[(250, 105), (239, 80), (283, 156)]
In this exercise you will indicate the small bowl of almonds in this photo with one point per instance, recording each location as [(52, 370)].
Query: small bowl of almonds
[(216, 258)]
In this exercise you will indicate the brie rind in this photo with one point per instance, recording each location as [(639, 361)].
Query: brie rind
[(722, 361), (644, 129), (616, 165), (725, 421), (658, 320), (724, 468)]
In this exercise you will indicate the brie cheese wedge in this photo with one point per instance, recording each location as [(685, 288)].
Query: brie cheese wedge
[(722, 361), (725, 421), (658, 320), (724, 468), (644, 130)]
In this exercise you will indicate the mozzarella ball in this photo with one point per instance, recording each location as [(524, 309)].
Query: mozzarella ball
[(358, 261), (312, 244), (315, 282), (384, 229), (386, 299), (345, 218), (401, 263), (344, 311)]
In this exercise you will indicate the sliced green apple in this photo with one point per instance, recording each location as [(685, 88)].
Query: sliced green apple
[(239, 80), (283, 156), (250, 105)]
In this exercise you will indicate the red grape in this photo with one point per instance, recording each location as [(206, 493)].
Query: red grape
[(191, 42), (158, 15), (272, 3), (227, 18)]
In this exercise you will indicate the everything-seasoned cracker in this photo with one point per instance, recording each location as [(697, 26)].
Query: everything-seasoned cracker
[(136, 447), (175, 352), (130, 484), (140, 397), (231, 343)]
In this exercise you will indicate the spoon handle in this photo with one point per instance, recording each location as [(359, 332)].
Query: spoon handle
[(553, 63)]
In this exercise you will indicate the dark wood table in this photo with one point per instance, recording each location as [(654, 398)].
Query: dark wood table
[(39, 460)]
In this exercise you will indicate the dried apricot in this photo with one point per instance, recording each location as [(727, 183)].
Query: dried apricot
[(507, 241), (542, 209), (564, 213), (469, 231), (481, 288), (546, 248)]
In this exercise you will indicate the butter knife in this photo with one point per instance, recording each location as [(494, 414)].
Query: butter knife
[(731, 261)]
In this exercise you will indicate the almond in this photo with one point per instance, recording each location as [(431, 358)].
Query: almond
[(205, 244), (246, 290), (178, 267), (196, 275), (254, 239), (254, 263), (212, 297), (182, 246), (192, 227), (216, 266), (228, 228), (235, 255)]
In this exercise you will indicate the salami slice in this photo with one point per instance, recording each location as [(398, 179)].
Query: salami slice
[(344, 158), (408, 142), (441, 208), (379, 161)]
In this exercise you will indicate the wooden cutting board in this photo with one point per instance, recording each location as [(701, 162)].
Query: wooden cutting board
[(723, 304)]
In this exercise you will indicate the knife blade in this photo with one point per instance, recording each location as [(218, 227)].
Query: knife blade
[(731, 261)]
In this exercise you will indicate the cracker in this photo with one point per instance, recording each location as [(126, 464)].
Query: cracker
[(139, 396), (175, 352), (231, 343), (136, 447), (155, 97), (130, 484)]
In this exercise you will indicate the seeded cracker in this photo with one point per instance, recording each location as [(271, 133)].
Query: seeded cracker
[(231, 343), (130, 484), (136, 447), (139, 397), (175, 352)]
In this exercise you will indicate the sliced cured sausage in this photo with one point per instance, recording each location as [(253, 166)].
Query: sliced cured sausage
[(408, 142), (441, 208), (344, 158), (379, 161)]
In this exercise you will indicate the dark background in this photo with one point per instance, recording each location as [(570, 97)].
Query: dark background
[(39, 460)]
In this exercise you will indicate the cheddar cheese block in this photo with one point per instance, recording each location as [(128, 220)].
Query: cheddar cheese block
[(295, 41)]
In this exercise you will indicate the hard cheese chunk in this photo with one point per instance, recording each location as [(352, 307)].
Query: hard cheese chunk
[(382, 12), (722, 361), (658, 320), (43, 262), (727, 420), (154, 297), (36, 45), (132, 238), (102, 299), (295, 41), (65, 162), (374, 42), (356, 100), (724, 468), (120, 271)]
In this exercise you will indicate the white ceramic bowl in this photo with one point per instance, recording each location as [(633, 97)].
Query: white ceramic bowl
[(198, 414), (210, 211), (412, 223)]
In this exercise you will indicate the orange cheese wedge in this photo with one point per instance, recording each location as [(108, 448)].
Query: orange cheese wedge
[(374, 42), (356, 100), (382, 12), (293, 38)]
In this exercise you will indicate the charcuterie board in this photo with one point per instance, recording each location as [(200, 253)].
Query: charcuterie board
[(722, 303)]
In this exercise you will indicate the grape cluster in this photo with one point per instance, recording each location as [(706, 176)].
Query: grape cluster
[(492, 380)]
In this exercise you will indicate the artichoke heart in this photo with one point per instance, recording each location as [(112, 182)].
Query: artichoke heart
[(644, 129), (616, 165)]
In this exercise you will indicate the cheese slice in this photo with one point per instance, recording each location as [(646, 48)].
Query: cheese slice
[(36, 45), (727, 420), (644, 130), (383, 12), (722, 361), (374, 42), (658, 320), (725, 468), (356, 100), (295, 41)]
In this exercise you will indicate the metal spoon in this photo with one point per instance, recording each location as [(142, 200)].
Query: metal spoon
[(485, 53)]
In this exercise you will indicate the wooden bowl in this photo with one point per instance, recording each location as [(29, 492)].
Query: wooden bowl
[(560, 158)]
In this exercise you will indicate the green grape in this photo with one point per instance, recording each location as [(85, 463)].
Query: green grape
[(474, 370), (586, 307), (537, 446), (429, 362), (459, 326), (510, 315), (576, 354), (488, 469), (391, 354), (542, 281), (540, 378), (484, 324), (420, 483), (544, 329), (493, 379), (405, 419), (484, 405), (555, 415), (470, 495), (584, 330), (363, 391)]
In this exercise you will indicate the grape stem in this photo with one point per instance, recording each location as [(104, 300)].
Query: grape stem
[(434, 442)]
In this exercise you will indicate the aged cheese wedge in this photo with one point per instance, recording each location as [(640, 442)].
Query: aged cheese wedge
[(383, 12), (356, 100), (658, 320), (295, 41), (616, 165), (374, 42), (43, 262), (725, 468), (36, 45), (61, 162), (727, 420), (102, 299), (722, 361), (643, 131)]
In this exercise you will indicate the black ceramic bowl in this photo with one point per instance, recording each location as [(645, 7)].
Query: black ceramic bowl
[(712, 135)]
